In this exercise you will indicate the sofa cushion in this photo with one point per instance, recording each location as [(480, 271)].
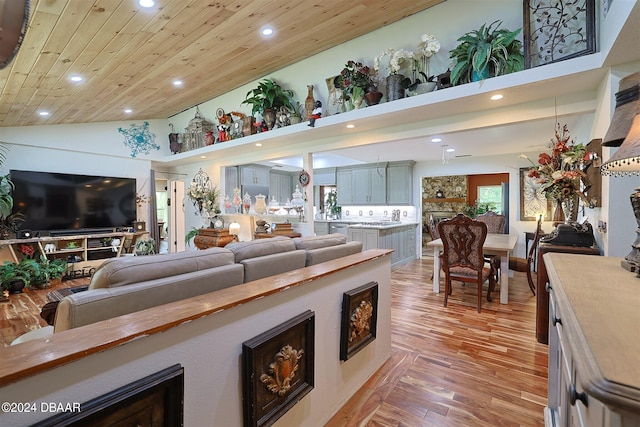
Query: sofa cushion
[(261, 247), (129, 270), (316, 256), (316, 242), (94, 305), (270, 265)]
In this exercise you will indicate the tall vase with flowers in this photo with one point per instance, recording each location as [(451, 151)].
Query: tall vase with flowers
[(206, 200), (355, 79), (422, 81), (561, 174), (398, 60)]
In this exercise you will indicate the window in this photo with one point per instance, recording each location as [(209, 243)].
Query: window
[(490, 195)]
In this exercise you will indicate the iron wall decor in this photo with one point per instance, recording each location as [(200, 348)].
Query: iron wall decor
[(555, 30), (139, 139), (278, 369), (160, 395), (359, 319), (533, 201)]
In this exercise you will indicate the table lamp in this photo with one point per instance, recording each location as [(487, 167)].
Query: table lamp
[(626, 161), (234, 230)]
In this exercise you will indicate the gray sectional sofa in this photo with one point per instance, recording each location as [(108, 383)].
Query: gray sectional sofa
[(128, 284)]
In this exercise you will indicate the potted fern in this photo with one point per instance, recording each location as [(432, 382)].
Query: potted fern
[(267, 98), (487, 52)]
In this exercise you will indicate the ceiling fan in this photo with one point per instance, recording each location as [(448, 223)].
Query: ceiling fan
[(14, 19)]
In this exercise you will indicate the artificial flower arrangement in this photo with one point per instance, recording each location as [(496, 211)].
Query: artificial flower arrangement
[(560, 173), (27, 250), (204, 199), (354, 79), (397, 60), (427, 47)]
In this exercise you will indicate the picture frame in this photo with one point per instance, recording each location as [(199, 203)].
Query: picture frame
[(532, 199), (278, 369), (548, 40), (160, 393), (359, 319)]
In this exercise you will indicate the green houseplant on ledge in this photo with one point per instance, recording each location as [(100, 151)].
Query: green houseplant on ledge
[(487, 52), (267, 98)]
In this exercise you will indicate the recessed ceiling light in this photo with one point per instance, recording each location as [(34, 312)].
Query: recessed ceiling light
[(258, 144), (128, 110), (76, 78), (450, 150), (267, 31), (496, 97), (44, 113), (177, 82), (146, 3), (203, 157), (351, 126), (436, 139)]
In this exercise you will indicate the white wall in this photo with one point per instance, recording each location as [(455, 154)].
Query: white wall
[(213, 372)]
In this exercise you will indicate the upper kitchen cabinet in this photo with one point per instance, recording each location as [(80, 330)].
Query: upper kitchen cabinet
[(281, 186), (369, 184), (254, 175), (400, 183), (344, 186), (324, 176)]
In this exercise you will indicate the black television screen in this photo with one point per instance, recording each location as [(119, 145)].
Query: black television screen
[(59, 201)]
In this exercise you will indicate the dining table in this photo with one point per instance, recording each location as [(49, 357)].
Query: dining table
[(495, 244)]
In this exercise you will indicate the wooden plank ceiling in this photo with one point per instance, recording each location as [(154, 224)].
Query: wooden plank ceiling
[(129, 56)]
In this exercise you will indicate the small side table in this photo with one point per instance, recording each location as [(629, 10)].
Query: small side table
[(210, 237)]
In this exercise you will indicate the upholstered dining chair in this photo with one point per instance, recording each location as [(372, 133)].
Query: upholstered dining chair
[(433, 232), (462, 259), (496, 223)]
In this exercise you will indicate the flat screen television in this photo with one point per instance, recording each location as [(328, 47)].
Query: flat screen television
[(60, 203)]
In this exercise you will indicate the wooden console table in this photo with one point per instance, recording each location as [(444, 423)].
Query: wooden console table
[(209, 238), (542, 296)]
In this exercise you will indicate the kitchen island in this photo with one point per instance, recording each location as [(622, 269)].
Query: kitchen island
[(399, 236)]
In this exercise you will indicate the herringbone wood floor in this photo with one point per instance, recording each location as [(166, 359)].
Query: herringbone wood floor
[(451, 366)]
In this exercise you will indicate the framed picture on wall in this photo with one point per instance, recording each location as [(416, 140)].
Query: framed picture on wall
[(555, 30), (278, 369), (533, 201), (359, 319)]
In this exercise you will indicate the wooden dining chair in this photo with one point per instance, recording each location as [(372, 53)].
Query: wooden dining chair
[(528, 265), (463, 259), (496, 223), (433, 232)]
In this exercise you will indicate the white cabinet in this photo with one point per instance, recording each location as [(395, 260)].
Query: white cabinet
[(593, 342), (400, 183), (254, 175)]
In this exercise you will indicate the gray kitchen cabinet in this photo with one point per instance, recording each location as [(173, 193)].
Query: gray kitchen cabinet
[(369, 185), (324, 176), (231, 181), (400, 183), (344, 186), (401, 239), (320, 228), (254, 175), (280, 186)]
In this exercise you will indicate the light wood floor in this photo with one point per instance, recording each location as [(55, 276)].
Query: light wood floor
[(449, 366)]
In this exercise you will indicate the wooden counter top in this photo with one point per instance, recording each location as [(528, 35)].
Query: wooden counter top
[(601, 304)]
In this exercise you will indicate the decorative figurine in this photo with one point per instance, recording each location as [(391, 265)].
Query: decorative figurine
[(315, 114)]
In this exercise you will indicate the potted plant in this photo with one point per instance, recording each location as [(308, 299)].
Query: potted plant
[(268, 97), (487, 52), (10, 224), (423, 81), (14, 277), (355, 80)]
